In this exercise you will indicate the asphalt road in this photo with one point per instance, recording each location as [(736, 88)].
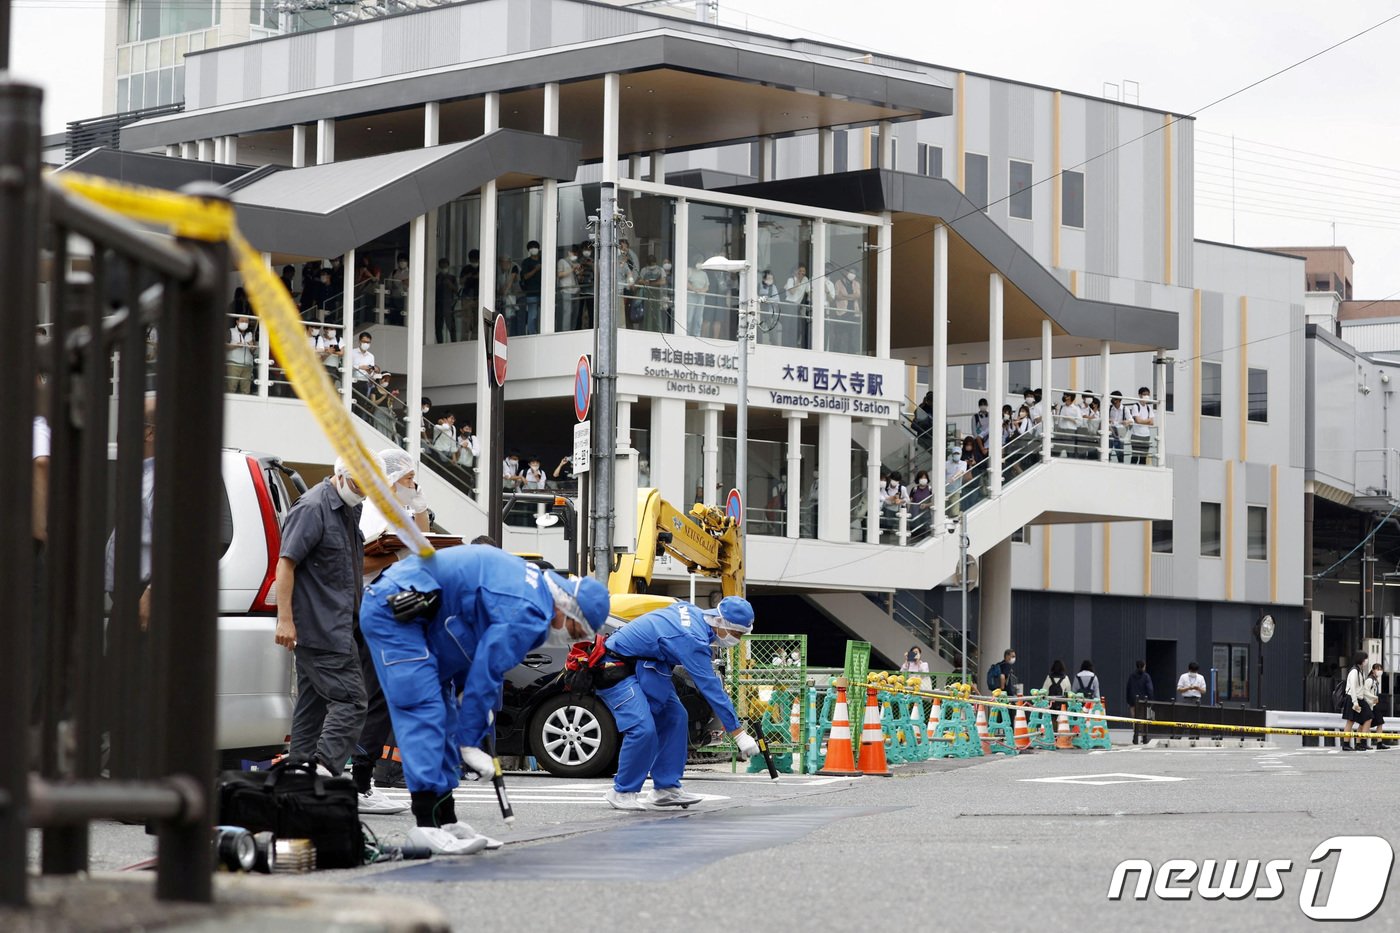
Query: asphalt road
[(989, 844)]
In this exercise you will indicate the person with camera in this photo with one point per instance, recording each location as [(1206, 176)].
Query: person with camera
[(442, 632)]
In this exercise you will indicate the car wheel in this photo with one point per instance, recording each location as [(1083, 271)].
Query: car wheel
[(574, 736)]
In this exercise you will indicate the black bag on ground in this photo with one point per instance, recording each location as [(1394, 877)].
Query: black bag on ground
[(292, 801)]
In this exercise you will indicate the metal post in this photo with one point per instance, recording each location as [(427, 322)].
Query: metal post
[(496, 443), (185, 557), (938, 378), (605, 340), (962, 587), (741, 428), (20, 187)]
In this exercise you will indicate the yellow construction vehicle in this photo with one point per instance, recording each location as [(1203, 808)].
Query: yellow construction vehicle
[(706, 541)]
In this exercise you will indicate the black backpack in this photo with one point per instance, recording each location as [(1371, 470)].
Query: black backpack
[(1086, 688), (1057, 687), (994, 676), (1339, 696)]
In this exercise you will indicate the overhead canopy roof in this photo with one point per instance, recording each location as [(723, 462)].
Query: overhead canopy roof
[(977, 247), (326, 210), (678, 92)]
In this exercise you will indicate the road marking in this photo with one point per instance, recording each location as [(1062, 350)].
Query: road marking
[(577, 793), (1098, 780)]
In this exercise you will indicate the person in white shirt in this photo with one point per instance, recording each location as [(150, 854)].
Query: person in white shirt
[(362, 359), (566, 274), (1067, 421), (1117, 425), (953, 472), (1371, 692), (894, 495), (1086, 681), (1191, 685), (982, 421), (510, 471), (242, 346), (1356, 712), (914, 663), (798, 292), (1143, 418), (534, 475)]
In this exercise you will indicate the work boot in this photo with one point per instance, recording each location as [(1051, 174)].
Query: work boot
[(620, 801), (665, 797), (377, 804), (1346, 747), (442, 842)]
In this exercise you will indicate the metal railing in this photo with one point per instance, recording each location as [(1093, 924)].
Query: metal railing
[(157, 648)]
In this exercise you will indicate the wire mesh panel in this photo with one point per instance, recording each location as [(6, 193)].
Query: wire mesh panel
[(767, 677)]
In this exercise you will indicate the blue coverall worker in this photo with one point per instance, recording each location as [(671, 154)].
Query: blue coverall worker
[(481, 611), (650, 716)]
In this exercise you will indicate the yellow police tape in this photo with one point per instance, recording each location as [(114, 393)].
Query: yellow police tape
[(213, 220), (1105, 717)]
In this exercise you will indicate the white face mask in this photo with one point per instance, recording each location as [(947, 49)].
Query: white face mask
[(342, 487), (405, 495), (982, 408), (314, 331), (425, 409), (558, 638), (587, 253), (243, 327), (666, 266), (364, 345), (726, 641), (1011, 660), (851, 276), (534, 252), (573, 257), (924, 481)]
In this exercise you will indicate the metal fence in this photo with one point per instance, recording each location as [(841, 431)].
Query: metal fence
[(107, 676), (767, 679)]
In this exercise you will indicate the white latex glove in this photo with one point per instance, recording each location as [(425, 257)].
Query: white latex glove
[(747, 746), (479, 762)]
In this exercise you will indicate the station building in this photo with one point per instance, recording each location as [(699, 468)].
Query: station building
[(912, 235)]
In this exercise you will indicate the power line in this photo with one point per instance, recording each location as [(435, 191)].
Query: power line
[(1317, 155)]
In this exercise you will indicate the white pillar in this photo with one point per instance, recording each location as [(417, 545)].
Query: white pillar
[(1103, 401), (611, 94), (549, 221), (348, 339), (710, 450), (218, 149), (938, 375), (206, 150), (634, 166), (884, 243), (767, 158), (794, 471), (486, 246), (668, 450), (172, 150), (994, 634), (264, 348), (432, 123), (299, 146), (189, 150), (826, 151), (325, 141), (230, 152), (658, 167), (1047, 421), (886, 144), (680, 267), (996, 381), (834, 478), (418, 267), (818, 276), (872, 481)]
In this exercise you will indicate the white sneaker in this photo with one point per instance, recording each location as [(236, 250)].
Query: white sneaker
[(621, 801), (442, 842), (464, 831), (323, 770), (372, 801), (667, 797)]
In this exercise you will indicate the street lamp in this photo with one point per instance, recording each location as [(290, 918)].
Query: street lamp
[(741, 433)]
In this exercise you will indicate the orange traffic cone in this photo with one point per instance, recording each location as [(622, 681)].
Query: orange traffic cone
[(872, 740), (795, 722), (982, 730), (1062, 739), (840, 757), (1022, 730), (935, 710)]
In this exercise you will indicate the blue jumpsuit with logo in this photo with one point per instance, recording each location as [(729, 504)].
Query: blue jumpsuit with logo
[(495, 609), (649, 715)]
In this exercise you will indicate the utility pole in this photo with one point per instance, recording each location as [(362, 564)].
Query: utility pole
[(962, 586), (603, 475)]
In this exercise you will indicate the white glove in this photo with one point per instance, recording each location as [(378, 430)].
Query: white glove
[(479, 762), (747, 746)]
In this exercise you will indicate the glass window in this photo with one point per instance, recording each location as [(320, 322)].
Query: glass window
[(519, 265), (1210, 529), (1258, 395), (182, 45), (574, 272), (197, 42), (975, 179), (975, 377), (123, 60), (840, 156), (1021, 535), (1258, 523), (1170, 401), (930, 160), (456, 298), (1072, 199), (167, 52), (167, 85), (1019, 184), (1162, 537), (1231, 663), (784, 263), (849, 286), (179, 90), (138, 86), (123, 95), (712, 298), (647, 291), (1018, 377), (1210, 389), (152, 56), (152, 82)]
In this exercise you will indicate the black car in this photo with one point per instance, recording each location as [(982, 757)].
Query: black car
[(572, 735)]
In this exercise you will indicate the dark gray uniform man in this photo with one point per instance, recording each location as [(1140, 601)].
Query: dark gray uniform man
[(320, 567)]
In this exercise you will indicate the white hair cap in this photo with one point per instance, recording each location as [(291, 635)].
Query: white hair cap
[(340, 469), (397, 464)]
